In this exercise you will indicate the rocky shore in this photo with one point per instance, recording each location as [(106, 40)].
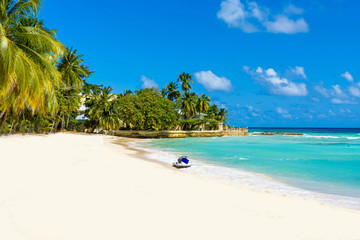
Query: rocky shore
[(179, 134), (277, 133)]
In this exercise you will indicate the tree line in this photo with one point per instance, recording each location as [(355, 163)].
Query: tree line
[(42, 83), (150, 108)]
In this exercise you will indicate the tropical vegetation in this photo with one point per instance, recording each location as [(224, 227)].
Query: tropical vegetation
[(43, 84)]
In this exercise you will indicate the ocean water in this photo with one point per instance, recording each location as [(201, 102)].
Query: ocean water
[(322, 164)]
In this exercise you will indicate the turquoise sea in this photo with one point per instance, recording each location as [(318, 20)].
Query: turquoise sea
[(323, 164)]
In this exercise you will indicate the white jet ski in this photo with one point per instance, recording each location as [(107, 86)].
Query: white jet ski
[(182, 162)]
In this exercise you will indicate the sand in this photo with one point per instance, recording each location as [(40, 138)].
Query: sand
[(74, 187)]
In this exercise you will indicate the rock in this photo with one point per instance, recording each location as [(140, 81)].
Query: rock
[(278, 133)]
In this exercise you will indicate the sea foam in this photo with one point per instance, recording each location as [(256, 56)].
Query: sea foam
[(243, 178)]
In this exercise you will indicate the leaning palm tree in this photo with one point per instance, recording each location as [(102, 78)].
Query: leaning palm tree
[(185, 80), (188, 104), (172, 92), (28, 53), (203, 104)]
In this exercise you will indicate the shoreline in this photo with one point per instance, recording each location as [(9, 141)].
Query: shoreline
[(248, 180), (86, 187)]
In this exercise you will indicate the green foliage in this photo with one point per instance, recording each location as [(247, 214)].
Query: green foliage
[(190, 124), (40, 79), (171, 91), (188, 104), (214, 125), (42, 83), (27, 55), (147, 110), (222, 115), (203, 104), (103, 110), (72, 69), (185, 79)]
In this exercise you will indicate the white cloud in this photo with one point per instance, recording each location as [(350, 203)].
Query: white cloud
[(299, 71), (323, 91), (291, 9), (234, 14), (345, 111), (277, 85), (283, 112), (254, 114), (212, 82), (250, 17), (354, 91), (283, 24), (148, 83), (347, 76), (259, 70), (338, 95), (332, 113), (315, 99), (341, 101), (337, 89)]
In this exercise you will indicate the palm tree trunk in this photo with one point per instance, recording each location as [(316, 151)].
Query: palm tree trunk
[(12, 127), (3, 120), (92, 130), (67, 122), (63, 121), (56, 126), (53, 125)]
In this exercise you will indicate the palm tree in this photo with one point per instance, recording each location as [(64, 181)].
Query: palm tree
[(213, 111), (172, 92), (103, 110), (127, 92), (203, 104), (72, 69), (28, 53), (185, 80), (188, 104), (223, 115), (164, 92), (73, 72)]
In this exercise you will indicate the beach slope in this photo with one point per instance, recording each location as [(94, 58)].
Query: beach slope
[(73, 187)]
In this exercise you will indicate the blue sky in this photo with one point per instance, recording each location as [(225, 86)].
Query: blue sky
[(271, 63)]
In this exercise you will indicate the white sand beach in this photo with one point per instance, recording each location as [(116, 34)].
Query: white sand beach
[(83, 187)]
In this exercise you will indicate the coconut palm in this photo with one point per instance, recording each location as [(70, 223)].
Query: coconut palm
[(188, 104), (28, 52), (72, 69), (223, 115), (73, 72), (103, 110), (172, 92), (213, 111), (203, 104), (127, 92), (185, 80), (164, 92)]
